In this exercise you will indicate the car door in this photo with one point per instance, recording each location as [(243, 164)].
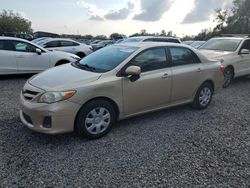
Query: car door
[(28, 60), (186, 73), (8, 63), (153, 88), (244, 60)]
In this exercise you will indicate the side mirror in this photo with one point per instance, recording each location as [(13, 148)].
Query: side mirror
[(133, 71), (245, 51), (38, 51)]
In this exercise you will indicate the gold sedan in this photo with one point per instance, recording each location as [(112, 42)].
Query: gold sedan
[(118, 82)]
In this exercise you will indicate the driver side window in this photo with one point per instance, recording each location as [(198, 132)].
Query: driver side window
[(150, 60), (246, 45), (23, 47)]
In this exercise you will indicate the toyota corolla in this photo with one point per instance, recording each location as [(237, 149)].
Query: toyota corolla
[(117, 82)]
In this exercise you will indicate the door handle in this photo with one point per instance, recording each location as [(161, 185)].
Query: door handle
[(199, 70), (166, 75)]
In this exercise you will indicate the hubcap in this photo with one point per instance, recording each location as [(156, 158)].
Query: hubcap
[(97, 120), (205, 96)]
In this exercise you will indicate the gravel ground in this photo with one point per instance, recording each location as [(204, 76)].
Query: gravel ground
[(178, 147)]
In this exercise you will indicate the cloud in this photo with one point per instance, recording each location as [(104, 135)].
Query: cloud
[(204, 9), (96, 18), (120, 14), (153, 10), (94, 12)]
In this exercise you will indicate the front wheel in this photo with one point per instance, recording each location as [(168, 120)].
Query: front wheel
[(203, 96), (228, 77), (95, 119)]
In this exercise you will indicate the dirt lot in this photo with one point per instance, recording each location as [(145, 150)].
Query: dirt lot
[(178, 147)]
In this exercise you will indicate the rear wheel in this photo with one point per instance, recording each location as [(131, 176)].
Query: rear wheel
[(228, 77), (95, 119), (203, 96)]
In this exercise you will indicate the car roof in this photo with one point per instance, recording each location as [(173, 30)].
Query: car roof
[(12, 38), (147, 37), (55, 39), (229, 38), (149, 44)]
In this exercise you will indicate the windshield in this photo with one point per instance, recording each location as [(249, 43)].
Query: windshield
[(107, 58), (229, 45), (42, 42)]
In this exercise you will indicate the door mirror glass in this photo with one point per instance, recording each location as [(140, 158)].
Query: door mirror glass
[(245, 51), (133, 71), (38, 51)]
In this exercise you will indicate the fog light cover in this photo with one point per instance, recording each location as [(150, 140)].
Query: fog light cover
[(47, 122)]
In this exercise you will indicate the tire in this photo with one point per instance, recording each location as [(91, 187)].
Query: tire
[(228, 77), (203, 96), (95, 119)]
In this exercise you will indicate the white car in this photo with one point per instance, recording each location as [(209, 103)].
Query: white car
[(66, 45), (234, 54), (18, 56)]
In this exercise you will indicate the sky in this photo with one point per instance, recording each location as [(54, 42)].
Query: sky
[(96, 17)]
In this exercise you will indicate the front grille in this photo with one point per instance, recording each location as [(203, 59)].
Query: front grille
[(29, 95), (27, 118)]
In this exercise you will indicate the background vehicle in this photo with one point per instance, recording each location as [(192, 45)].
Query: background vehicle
[(18, 56), (118, 82), (233, 52), (19, 35), (66, 45), (37, 40), (102, 44), (40, 34), (152, 39), (195, 44)]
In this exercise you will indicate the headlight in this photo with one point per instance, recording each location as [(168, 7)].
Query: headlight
[(52, 97)]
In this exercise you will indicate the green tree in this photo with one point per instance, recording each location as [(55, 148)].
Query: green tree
[(239, 21), (14, 22), (221, 19)]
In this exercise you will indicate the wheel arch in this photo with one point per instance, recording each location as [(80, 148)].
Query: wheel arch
[(111, 101), (61, 62)]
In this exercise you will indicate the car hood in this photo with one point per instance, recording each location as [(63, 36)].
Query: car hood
[(213, 54), (64, 77), (63, 54)]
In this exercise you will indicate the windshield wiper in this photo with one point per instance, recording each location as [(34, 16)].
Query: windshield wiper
[(85, 66)]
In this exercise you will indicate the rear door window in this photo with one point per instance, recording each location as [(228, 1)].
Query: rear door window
[(183, 56)]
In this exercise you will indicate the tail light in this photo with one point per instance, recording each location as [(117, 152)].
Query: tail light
[(222, 68)]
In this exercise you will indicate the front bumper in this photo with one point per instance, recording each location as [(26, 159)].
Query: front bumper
[(61, 115)]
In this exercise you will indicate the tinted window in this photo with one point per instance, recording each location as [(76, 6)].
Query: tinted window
[(107, 58), (152, 59), (68, 43), (23, 47), (246, 45), (183, 56), (6, 45), (230, 45), (2, 44), (52, 44)]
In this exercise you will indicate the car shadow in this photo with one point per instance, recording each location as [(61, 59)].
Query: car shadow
[(15, 76)]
